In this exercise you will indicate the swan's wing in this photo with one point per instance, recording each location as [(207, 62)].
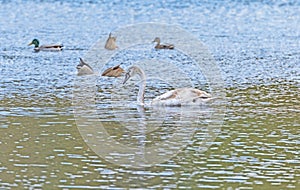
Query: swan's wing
[(199, 93), (182, 96), (169, 98)]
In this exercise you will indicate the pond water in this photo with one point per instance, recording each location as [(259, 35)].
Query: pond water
[(61, 131)]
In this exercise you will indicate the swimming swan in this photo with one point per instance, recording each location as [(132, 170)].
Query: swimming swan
[(54, 47), (177, 97)]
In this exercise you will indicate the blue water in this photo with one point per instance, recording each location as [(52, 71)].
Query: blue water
[(258, 39)]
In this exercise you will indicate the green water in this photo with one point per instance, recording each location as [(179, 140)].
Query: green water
[(257, 147)]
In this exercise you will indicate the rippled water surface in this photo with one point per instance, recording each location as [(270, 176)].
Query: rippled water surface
[(54, 137)]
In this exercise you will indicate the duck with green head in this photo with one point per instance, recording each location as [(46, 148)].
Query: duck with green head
[(54, 47)]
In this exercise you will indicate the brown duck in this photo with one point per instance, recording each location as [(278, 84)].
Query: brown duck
[(111, 42), (115, 71), (162, 46)]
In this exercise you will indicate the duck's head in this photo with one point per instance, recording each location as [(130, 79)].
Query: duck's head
[(35, 42), (157, 39)]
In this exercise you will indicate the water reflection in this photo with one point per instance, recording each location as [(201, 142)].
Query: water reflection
[(129, 135), (257, 146)]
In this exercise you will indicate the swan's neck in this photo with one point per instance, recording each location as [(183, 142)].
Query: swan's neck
[(141, 94), (142, 87)]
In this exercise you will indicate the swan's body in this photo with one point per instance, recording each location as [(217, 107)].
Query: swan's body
[(182, 96), (111, 43), (115, 71), (54, 47), (177, 97), (84, 68), (162, 46)]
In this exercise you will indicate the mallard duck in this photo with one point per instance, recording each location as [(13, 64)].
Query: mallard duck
[(55, 47), (111, 42), (115, 71), (84, 68), (177, 97), (162, 46)]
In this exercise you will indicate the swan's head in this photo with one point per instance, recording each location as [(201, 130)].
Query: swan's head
[(130, 72), (133, 70)]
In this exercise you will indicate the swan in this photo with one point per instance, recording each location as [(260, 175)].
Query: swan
[(84, 68), (111, 43), (176, 97), (162, 46), (53, 47)]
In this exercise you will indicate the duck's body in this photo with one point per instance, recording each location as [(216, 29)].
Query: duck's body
[(177, 97), (115, 71), (111, 43), (162, 46), (84, 68), (54, 47)]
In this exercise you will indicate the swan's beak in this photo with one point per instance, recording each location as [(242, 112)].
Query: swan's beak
[(127, 76)]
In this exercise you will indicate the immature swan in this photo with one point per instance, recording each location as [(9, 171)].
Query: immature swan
[(177, 97)]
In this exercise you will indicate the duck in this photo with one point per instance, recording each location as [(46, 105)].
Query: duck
[(84, 68), (115, 71), (177, 97), (54, 47), (111, 42), (162, 46)]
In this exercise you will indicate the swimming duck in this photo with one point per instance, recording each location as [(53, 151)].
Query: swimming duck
[(111, 42), (54, 47), (162, 46), (84, 68), (176, 97), (115, 71)]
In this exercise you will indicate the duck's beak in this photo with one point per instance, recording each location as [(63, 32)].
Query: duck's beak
[(127, 76), (30, 43)]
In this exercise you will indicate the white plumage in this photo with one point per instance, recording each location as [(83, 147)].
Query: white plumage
[(176, 97)]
